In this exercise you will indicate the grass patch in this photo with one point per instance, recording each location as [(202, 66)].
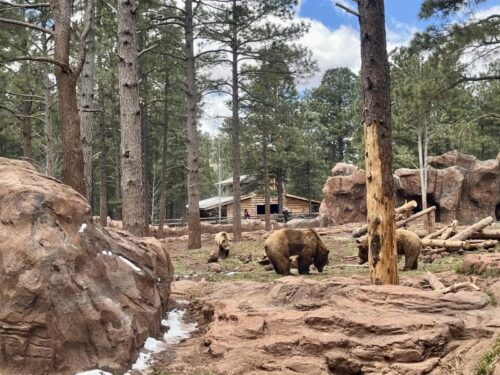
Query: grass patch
[(490, 358)]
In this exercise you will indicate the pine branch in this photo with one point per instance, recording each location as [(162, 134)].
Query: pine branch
[(60, 64), (26, 24)]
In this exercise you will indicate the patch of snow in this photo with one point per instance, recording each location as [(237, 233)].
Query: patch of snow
[(82, 228), (230, 273), (178, 328), (129, 263), (94, 372), (182, 301)]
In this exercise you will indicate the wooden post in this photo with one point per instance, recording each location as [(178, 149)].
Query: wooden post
[(378, 147)]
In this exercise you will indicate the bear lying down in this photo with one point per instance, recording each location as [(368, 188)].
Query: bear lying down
[(306, 244)]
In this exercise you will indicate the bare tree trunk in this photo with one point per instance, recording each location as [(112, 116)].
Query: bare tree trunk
[(163, 174), (133, 194), (235, 124), (267, 192), (194, 227), (279, 181), (103, 174), (48, 126), (66, 93), (87, 105), (378, 147), (309, 187), (26, 128), (423, 173)]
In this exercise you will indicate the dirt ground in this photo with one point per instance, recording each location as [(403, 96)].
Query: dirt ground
[(252, 321)]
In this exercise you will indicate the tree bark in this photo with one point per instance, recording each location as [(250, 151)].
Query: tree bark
[(458, 244), (86, 104), (378, 143), (469, 231), (442, 231), (235, 124), (163, 174), (194, 227), (26, 129), (402, 223), (280, 189), (48, 126), (423, 173), (103, 174), (66, 93), (265, 173), (133, 194)]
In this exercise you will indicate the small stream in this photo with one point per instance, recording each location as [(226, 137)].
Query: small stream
[(176, 330)]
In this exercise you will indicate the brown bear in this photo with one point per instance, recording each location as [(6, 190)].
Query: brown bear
[(408, 244), (306, 244), (222, 251)]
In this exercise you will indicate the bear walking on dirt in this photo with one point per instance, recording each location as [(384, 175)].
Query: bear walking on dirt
[(222, 251), (408, 244), (306, 244)]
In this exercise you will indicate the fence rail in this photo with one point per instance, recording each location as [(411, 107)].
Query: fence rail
[(224, 220)]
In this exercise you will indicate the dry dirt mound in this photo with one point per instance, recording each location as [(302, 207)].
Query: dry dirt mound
[(338, 326), (73, 296)]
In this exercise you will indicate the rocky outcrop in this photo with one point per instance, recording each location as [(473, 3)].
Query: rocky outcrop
[(460, 186), (336, 326), (481, 264), (73, 296)]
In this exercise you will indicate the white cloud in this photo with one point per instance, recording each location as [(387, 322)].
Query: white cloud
[(332, 48)]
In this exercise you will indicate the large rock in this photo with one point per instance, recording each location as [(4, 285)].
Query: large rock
[(461, 187), (335, 326), (73, 296)]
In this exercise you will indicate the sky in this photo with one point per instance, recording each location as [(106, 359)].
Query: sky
[(333, 38)]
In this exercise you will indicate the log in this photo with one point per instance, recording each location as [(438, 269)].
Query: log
[(453, 244), (487, 234), (401, 223), (406, 208), (364, 229), (441, 231), (433, 281), (459, 286), (469, 231), (450, 229)]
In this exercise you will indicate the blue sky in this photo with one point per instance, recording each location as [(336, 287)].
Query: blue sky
[(333, 39)]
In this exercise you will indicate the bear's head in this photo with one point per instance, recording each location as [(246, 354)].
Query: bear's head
[(321, 257), (362, 250)]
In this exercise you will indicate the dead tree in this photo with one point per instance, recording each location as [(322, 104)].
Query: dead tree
[(378, 147)]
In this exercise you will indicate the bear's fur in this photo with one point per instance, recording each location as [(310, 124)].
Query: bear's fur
[(222, 242), (306, 244), (408, 244)]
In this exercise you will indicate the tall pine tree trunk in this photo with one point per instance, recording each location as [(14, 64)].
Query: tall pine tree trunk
[(133, 194), (280, 189), (47, 99), (163, 174), (66, 93), (26, 128), (267, 190), (194, 227), (103, 174), (235, 124), (378, 143), (87, 106)]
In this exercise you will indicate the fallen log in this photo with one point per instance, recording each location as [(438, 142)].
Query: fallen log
[(439, 286), (406, 208), (454, 244), (449, 230), (487, 234), (442, 230), (364, 229), (469, 231), (433, 281)]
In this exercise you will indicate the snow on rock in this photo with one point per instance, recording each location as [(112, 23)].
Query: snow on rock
[(82, 228), (132, 265), (94, 372)]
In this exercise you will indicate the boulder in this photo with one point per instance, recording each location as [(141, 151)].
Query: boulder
[(459, 185), (74, 296), (304, 223), (481, 264)]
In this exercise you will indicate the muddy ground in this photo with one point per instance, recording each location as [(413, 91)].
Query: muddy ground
[(252, 321)]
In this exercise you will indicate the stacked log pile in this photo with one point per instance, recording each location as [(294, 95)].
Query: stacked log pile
[(447, 240)]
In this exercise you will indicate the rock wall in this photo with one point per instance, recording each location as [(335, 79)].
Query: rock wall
[(73, 296), (461, 187)]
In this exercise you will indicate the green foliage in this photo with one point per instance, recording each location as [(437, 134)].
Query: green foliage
[(490, 358)]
